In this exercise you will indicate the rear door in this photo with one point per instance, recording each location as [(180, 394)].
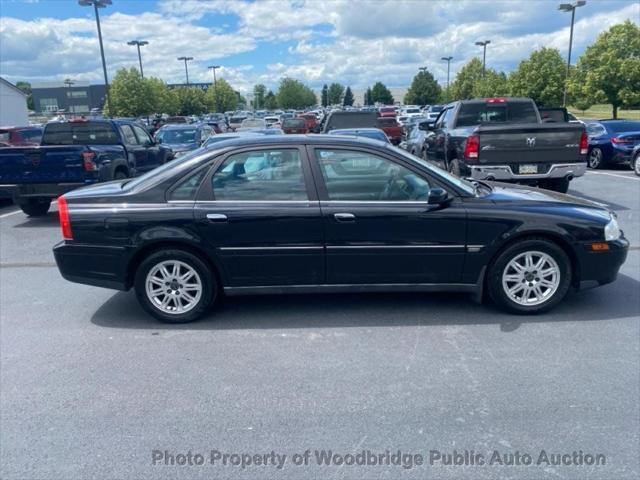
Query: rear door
[(258, 210), (379, 227)]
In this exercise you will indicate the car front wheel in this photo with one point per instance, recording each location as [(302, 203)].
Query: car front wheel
[(635, 164), (531, 276), (175, 286)]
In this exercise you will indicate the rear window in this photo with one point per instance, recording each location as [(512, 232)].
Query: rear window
[(79, 134), (621, 127), (478, 113), (293, 123), (387, 110)]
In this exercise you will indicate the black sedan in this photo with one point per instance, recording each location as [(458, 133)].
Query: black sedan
[(324, 213)]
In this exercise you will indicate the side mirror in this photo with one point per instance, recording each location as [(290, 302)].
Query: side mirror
[(437, 196)]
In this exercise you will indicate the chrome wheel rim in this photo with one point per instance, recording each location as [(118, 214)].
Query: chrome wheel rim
[(636, 164), (595, 157), (173, 287), (531, 278)]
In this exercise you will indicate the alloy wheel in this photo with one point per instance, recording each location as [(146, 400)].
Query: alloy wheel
[(531, 278), (595, 158), (173, 287)]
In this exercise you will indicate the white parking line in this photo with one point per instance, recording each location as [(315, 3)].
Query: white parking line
[(636, 178), (10, 213)]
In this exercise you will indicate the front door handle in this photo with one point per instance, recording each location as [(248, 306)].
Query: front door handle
[(216, 217), (344, 217)]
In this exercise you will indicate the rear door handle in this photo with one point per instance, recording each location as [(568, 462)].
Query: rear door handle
[(216, 217), (344, 217)]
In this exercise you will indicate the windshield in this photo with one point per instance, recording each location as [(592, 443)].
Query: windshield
[(177, 135), (458, 182)]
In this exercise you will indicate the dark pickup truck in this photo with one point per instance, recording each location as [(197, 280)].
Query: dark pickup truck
[(347, 120), (505, 139), (73, 154)]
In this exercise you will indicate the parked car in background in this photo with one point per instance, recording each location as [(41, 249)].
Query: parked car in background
[(310, 120), (340, 119), (182, 139), (387, 111), (214, 139), (294, 125), (74, 154), (504, 139), (252, 124), (271, 120), (373, 133), (21, 136), (415, 142), (611, 142), (236, 121), (176, 119), (392, 129), (329, 213)]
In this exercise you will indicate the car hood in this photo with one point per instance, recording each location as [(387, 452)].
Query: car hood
[(506, 192)]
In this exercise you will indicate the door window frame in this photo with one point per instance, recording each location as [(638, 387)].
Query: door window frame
[(321, 186), (206, 194), (123, 127)]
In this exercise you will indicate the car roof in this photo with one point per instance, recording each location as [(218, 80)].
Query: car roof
[(294, 140), (181, 126), (356, 129)]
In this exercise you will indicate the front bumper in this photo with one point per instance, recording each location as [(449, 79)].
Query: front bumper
[(100, 266), (601, 267), (505, 172)]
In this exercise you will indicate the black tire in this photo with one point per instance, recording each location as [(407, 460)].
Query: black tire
[(454, 167), (635, 164), (556, 184), (531, 244), (120, 175), (207, 278), (595, 159), (36, 207)]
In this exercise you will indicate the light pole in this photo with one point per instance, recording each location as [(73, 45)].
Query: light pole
[(68, 82), (139, 43), (215, 85), (186, 70), (96, 4), (448, 60), (484, 54), (569, 7)]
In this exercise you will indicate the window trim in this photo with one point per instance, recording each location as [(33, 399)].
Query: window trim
[(206, 193), (323, 193)]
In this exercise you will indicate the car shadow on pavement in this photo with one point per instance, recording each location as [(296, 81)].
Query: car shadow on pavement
[(617, 300), (49, 220)]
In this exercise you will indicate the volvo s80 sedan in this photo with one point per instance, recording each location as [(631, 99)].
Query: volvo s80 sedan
[(324, 213)]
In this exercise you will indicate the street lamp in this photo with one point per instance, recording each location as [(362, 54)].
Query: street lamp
[(448, 60), (96, 4), (215, 84), (68, 82), (139, 43), (484, 54), (186, 70), (569, 7)]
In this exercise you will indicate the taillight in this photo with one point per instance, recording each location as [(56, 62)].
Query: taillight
[(584, 144), (89, 164), (618, 140), (497, 100), (472, 147), (65, 222)]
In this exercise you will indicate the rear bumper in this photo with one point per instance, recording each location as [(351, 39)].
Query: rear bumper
[(505, 172), (100, 266), (39, 190), (601, 267)]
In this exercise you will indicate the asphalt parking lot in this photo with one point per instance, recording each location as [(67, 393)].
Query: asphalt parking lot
[(90, 385)]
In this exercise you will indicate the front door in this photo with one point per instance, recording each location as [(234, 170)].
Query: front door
[(379, 228), (153, 157), (137, 153), (259, 211)]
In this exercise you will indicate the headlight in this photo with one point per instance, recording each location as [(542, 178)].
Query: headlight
[(612, 230)]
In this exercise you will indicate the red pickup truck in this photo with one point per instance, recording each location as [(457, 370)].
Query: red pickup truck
[(392, 128), (387, 112), (21, 136)]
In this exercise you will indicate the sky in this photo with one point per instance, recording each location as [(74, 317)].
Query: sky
[(353, 42)]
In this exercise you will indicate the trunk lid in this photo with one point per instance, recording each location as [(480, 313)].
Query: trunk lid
[(47, 164)]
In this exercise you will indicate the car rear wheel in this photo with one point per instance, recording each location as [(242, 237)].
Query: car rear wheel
[(635, 164), (595, 158), (531, 276), (175, 286), (36, 207)]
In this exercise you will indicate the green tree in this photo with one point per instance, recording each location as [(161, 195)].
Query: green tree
[(367, 97), (540, 77), (325, 95), (270, 101), (424, 90), (336, 91), (259, 91), (380, 93), (164, 100), (221, 97), (294, 94), (191, 100), (492, 84), (348, 97), (130, 95), (609, 70), (466, 79), (26, 89)]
